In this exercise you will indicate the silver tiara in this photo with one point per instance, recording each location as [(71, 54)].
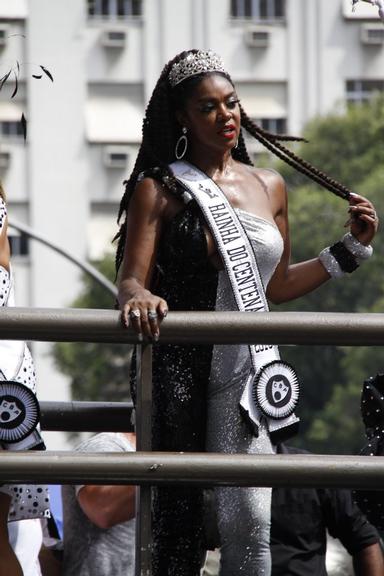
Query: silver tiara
[(201, 61)]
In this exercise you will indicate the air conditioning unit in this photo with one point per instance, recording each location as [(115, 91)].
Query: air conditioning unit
[(114, 38), (5, 159), (257, 37), (116, 157), (4, 34), (372, 34)]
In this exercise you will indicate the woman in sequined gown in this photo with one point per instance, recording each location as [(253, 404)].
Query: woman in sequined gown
[(17, 502), (167, 259)]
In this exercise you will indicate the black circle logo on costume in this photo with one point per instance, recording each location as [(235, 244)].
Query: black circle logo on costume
[(19, 411), (12, 411), (276, 389)]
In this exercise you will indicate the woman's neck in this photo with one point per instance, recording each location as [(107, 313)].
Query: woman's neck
[(215, 166)]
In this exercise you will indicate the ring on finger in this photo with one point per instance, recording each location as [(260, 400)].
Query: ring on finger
[(135, 313), (152, 315)]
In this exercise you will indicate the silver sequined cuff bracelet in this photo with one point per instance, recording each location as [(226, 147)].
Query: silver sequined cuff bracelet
[(359, 250), (330, 263)]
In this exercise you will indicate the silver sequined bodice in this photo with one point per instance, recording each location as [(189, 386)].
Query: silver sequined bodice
[(267, 244), (243, 513)]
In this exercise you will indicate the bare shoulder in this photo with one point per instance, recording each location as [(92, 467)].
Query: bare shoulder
[(272, 179), (272, 176), (152, 197), (274, 188), (272, 182), (148, 195)]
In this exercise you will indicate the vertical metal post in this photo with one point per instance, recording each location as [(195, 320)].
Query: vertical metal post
[(144, 443)]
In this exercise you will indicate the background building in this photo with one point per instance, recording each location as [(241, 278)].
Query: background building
[(291, 60)]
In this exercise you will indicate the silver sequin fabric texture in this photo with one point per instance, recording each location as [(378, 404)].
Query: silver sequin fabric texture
[(330, 263), (243, 513)]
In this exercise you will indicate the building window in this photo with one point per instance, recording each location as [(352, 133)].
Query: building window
[(362, 90), (274, 125), (19, 244), (11, 128), (116, 157), (114, 8), (257, 152), (258, 9)]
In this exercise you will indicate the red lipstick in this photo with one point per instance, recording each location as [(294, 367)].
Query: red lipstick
[(228, 131)]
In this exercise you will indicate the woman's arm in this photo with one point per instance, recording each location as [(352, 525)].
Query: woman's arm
[(147, 210), (291, 281)]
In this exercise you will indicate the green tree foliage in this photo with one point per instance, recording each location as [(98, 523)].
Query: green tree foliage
[(349, 148), (97, 371)]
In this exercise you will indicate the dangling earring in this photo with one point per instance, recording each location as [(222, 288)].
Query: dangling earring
[(182, 141)]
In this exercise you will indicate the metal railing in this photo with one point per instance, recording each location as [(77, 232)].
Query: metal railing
[(147, 468), (84, 325), (86, 416)]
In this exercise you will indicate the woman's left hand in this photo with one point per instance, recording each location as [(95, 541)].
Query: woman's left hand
[(364, 221)]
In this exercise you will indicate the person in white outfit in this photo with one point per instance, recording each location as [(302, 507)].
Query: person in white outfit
[(17, 381)]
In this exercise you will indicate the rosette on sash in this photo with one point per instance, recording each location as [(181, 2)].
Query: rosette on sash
[(276, 389)]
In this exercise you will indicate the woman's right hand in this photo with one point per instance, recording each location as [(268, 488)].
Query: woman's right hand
[(140, 308), (144, 312)]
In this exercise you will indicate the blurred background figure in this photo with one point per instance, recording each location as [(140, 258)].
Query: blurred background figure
[(301, 519), (99, 525)]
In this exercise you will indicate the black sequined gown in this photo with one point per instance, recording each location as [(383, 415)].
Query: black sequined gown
[(187, 281)]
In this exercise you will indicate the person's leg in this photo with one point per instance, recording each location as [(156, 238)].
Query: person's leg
[(244, 525), (243, 514), (9, 564)]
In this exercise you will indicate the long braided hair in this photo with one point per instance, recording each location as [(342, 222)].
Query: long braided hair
[(161, 130)]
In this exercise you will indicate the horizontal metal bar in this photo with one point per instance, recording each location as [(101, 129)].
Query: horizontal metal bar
[(84, 325), (86, 416), (194, 469)]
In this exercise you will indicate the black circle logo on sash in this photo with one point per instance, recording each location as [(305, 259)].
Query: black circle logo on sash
[(276, 389), (19, 411)]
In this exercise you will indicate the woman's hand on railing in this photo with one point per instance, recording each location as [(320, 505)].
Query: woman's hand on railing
[(144, 312)]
